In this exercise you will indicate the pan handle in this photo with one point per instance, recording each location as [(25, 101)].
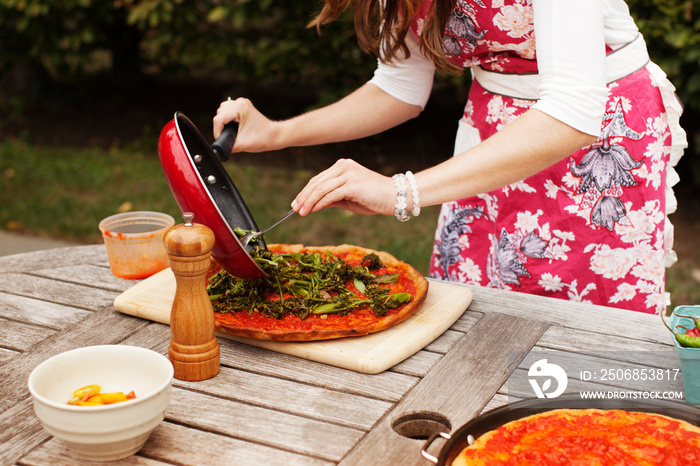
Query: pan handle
[(424, 450), (224, 143)]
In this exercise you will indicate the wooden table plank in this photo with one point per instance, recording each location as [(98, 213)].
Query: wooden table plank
[(292, 397), (470, 370), (456, 389), (445, 342), (53, 291), (173, 443), (55, 453), (87, 274), (580, 316), (254, 424), (20, 431), (419, 364), (386, 385), (59, 257), (20, 337), (624, 344), (497, 401), (467, 321), (36, 311), (6, 355), (153, 336)]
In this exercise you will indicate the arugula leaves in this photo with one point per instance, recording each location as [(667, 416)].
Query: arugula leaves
[(306, 283)]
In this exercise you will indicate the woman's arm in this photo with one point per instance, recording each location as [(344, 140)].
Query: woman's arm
[(529, 144), (365, 112)]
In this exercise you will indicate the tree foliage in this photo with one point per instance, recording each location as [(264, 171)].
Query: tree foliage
[(260, 41), (671, 29), (263, 41)]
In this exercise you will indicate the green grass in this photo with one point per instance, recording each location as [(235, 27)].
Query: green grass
[(65, 192)]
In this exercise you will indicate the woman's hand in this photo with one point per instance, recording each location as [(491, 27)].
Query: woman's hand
[(256, 133), (350, 186)]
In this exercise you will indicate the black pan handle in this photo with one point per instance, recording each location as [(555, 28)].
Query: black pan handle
[(224, 143)]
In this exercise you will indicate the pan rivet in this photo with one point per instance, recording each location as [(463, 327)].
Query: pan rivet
[(211, 179), (197, 158)]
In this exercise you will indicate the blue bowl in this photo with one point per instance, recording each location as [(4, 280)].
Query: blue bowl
[(689, 357)]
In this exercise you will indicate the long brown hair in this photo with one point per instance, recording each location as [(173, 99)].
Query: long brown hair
[(382, 31)]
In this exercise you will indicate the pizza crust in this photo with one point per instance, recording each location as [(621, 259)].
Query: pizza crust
[(312, 334)]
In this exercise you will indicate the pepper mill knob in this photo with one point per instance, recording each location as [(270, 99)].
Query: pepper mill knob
[(188, 217), (193, 350)]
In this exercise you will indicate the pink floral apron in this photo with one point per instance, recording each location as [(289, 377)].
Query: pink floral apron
[(592, 227)]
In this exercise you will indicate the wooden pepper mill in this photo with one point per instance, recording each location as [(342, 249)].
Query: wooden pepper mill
[(193, 351)]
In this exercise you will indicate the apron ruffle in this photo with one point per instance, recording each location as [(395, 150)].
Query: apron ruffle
[(679, 142)]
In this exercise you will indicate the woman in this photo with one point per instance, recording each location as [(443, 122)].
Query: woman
[(562, 171)]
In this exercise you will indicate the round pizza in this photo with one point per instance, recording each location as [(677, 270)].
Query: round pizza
[(586, 436), (316, 293)]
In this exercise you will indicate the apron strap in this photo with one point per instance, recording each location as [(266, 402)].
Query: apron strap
[(619, 63)]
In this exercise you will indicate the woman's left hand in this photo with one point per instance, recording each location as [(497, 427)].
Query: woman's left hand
[(256, 133), (347, 185)]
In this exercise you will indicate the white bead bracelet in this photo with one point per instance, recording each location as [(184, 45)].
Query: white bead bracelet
[(401, 192), (414, 190), (400, 207)]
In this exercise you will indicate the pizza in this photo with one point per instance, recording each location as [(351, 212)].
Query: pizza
[(316, 293), (586, 437)]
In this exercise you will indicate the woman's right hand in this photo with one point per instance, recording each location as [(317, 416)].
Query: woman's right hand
[(256, 133), (347, 185)]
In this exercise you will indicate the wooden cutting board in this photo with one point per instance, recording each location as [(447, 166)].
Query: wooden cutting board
[(153, 298)]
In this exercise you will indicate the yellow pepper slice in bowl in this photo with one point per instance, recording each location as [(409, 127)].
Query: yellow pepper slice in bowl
[(90, 396)]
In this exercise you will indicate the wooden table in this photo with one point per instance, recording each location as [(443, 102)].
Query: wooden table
[(268, 408)]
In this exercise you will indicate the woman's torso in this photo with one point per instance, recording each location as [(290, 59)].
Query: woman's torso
[(585, 228)]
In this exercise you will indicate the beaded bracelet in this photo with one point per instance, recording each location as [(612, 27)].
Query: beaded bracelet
[(400, 207), (414, 190), (401, 192)]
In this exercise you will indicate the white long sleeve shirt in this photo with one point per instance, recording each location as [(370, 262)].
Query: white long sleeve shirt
[(571, 36)]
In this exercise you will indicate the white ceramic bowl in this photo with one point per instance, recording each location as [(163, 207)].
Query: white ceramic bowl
[(109, 432)]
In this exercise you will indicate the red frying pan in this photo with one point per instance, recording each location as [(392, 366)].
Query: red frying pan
[(201, 185)]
